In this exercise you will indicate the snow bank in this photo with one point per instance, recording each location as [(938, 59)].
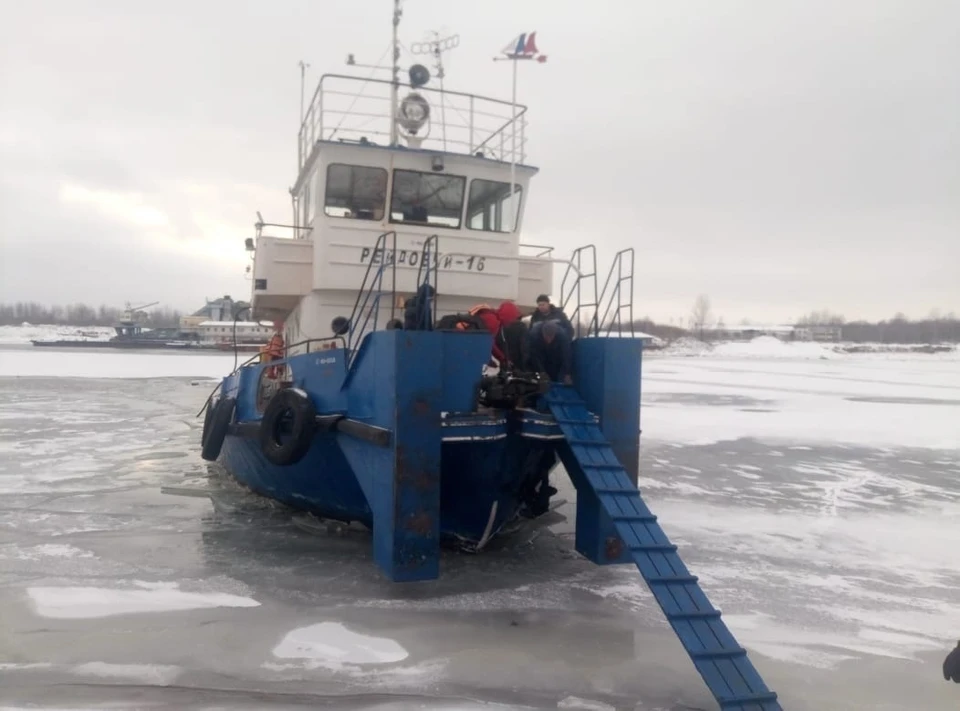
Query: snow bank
[(686, 346), (23, 335), (771, 347)]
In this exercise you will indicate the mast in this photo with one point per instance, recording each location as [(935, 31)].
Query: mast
[(513, 153), (395, 86), (303, 78)]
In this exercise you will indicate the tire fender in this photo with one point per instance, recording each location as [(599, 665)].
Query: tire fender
[(289, 444), (215, 428)]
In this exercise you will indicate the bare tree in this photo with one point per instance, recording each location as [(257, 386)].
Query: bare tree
[(700, 315)]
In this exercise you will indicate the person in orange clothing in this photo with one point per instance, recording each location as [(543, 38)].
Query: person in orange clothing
[(273, 351)]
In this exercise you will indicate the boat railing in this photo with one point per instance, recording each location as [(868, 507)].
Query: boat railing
[(280, 361), (536, 251), (578, 290), (357, 109), (620, 298), (367, 304)]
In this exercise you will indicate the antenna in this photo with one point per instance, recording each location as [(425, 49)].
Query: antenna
[(437, 47), (303, 77)]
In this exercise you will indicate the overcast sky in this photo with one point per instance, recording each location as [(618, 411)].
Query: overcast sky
[(778, 156)]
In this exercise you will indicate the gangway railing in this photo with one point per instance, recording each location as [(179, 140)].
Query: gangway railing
[(578, 290), (367, 304), (620, 297)]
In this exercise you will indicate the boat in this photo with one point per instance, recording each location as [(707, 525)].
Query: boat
[(401, 425), (130, 335)]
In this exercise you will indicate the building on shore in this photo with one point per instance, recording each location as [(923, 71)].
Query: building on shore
[(221, 333), (222, 309)]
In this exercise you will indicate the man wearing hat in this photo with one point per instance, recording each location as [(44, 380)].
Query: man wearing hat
[(548, 312)]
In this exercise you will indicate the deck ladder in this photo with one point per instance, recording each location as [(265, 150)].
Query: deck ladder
[(723, 664)]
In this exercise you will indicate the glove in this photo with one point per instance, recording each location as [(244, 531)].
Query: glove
[(951, 666)]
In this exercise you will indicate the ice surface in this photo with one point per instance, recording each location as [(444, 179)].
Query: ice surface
[(161, 674), (37, 362), (331, 642), (834, 562), (905, 403), (87, 602)]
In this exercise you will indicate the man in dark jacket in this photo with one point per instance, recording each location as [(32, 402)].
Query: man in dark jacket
[(418, 310), (548, 312), (551, 352)]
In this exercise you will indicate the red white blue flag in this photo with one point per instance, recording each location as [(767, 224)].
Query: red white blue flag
[(524, 46)]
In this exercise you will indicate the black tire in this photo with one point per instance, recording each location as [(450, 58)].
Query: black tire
[(207, 419), (288, 427), (216, 433)]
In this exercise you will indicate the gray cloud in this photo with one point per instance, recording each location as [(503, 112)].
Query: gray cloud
[(780, 156)]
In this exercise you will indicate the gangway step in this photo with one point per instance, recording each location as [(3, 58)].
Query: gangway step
[(720, 660), (759, 698)]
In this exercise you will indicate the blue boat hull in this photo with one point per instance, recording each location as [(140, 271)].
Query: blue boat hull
[(481, 483), (475, 466)]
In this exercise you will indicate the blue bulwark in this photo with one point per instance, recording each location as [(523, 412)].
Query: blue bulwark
[(592, 464)]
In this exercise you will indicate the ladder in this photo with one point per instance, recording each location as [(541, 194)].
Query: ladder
[(720, 660)]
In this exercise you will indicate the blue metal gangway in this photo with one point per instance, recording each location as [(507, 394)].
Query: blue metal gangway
[(592, 464)]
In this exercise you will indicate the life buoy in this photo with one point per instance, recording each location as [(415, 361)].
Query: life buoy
[(215, 426), (288, 427)]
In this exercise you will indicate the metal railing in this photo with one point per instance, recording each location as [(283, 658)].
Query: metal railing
[(355, 109), (279, 361), (371, 289), (623, 263), (580, 281)]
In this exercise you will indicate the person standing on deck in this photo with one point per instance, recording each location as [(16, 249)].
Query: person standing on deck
[(548, 312), (551, 352)]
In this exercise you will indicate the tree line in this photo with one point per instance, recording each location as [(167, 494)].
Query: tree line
[(937, 327), (81, 315)]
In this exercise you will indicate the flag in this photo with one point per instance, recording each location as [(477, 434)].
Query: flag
[(524, 46)]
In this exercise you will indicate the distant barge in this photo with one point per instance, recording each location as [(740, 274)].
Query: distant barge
[(131, 336)]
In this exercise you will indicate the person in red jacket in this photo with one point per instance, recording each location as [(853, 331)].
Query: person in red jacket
[(495, 320)]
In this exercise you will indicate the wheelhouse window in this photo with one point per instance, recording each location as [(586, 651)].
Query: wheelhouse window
[(358, 192), (427, 198), (489, 206)]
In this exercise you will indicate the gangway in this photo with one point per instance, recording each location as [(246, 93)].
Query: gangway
[(601, 480)]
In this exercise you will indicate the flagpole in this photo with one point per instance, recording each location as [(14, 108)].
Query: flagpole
[(513, 152)]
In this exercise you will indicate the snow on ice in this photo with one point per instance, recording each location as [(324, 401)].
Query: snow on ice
[(87, 602)]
